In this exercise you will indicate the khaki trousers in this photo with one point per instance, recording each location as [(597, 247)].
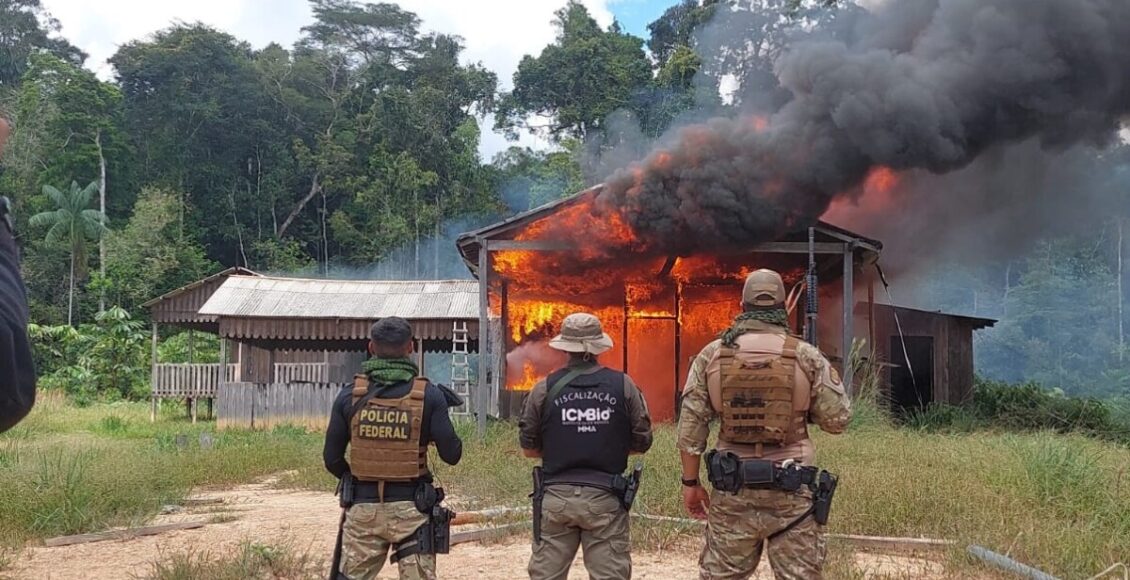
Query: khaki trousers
[(577, 516)]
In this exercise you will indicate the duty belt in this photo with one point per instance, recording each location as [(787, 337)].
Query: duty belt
[(729, 473)]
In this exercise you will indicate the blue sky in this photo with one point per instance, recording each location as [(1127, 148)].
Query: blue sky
[(635, 15)]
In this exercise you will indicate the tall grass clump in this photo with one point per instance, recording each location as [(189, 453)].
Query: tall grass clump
[(253, 561), (868, 402)]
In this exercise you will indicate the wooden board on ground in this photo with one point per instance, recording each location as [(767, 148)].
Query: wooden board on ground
[(481, 534), (120, 534)]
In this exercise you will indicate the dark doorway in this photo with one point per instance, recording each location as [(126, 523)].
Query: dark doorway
[(912, 392)]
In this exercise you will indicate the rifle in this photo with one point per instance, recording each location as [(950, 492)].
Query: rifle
[(538, 495), (810, 282), (345, 499)]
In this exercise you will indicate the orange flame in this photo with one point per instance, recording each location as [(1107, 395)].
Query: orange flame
[(881, 180), (528, 380)]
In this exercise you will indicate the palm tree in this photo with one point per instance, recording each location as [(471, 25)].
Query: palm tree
[(72, 223)]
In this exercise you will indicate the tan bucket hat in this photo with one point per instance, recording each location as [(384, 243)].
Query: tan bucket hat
[(763, 288), (581, 332)]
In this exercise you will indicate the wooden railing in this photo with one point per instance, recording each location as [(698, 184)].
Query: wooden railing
[(189, 380), (301, 373)]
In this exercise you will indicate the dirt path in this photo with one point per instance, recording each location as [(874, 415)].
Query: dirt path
[(306, 523)]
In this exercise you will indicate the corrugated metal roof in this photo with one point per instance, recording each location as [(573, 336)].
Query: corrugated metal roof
[(233, 271), (273, 297)]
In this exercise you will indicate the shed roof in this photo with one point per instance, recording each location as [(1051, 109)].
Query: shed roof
[(181, 306), (977, 322), (275, 297), (469, 243)]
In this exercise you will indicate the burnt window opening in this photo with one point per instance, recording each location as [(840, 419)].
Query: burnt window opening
[(911, 393)]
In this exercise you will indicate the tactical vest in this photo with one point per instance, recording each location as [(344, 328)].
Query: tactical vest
[(757, 399), (586, 426), (384, 442)]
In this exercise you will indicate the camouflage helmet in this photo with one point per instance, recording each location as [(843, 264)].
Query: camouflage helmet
[(763, 289)]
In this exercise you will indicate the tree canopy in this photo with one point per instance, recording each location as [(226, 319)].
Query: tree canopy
[(357, 150)]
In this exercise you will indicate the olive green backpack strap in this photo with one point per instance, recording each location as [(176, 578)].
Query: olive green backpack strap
[(559, 385)]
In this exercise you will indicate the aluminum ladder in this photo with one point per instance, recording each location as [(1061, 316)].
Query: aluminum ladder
[(461, 366)]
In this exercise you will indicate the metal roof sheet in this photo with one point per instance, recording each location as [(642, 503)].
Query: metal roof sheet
[(274, 297), (233, 271)]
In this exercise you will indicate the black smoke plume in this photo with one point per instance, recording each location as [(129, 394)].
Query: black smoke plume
[(927, 85)]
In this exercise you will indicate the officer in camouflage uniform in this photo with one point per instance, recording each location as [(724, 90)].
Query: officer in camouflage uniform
[(583, 421), (387, 420), (765, 386)]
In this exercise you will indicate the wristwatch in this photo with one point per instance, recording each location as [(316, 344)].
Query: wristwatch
[(689, 482)]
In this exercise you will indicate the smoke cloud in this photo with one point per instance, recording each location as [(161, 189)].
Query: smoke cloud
[(920, 86)]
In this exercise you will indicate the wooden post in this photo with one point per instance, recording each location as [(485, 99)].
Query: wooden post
[(239, 363), (849, 287), (223, 378), (678, 347), (624, 331), (482, 398), (506, 398), (153, 376), (871, 312)]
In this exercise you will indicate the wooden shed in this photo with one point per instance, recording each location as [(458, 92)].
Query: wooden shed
[(180, 308), (291, 343), (302, 339), (926, 356)]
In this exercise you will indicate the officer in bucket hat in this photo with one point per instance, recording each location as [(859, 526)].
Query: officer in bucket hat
[(583, 421)]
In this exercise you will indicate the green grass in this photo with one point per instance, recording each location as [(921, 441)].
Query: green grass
[(69, 470), (252, 562), (1057, 502)]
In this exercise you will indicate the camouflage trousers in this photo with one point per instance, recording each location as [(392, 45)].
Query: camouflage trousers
[(371, 529), (576, 516), (737, 528)]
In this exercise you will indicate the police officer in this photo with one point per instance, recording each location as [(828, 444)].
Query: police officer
[(388, 419), (17, 371), (765, 386), (583, 421)]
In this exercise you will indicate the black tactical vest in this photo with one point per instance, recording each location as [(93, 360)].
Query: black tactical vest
[(586, 426)]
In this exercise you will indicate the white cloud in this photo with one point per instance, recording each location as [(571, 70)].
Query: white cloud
[(496, 32)]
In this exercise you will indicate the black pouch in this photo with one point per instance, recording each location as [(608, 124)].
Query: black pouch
[(724, 471), (758, 473), (789, 478), (426, 497), (345, 490)]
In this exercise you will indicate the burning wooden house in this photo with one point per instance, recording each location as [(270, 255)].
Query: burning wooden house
[(537, 267)]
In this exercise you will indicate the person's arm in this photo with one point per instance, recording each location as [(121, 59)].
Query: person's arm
[(695, 416), (441, 430), (640, 417), (337, 435), (830, 406), (17, 369), (529, 425)]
